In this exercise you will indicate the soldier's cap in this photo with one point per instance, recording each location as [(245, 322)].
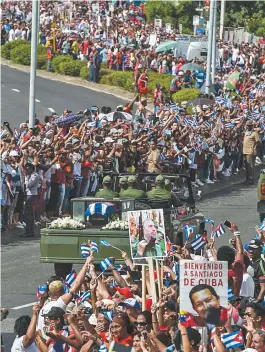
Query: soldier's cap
[(160, 178), (123, 180), (107, 179), (249, 123), (131, 179), (167, 182)]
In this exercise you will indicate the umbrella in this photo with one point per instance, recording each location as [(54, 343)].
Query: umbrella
[(191, 67), (201, 101), (113, 116), (232, 80), (165, 46)]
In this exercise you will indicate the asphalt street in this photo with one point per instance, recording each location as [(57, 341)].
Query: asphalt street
[(22, 273), (50, 96)]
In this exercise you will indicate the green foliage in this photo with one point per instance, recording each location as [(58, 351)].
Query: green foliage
[(118, 79), (84, 72), (163, 79), (20, 54), (41, 62), (56, 61), (71, 68), (185, 95), (6, 49), (160, 9), (248, 14)]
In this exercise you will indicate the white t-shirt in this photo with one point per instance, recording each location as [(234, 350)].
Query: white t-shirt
[(247, 287), (18, 346), (59, 303)]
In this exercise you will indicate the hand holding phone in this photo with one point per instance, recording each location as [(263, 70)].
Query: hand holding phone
[(228, 224)]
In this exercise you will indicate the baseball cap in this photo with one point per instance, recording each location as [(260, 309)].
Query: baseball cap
[(108, 140), (130, 303), (123, 180), (14, 153), (107, 179), (126, 292), (131, 179), (55, 312), (255, 244), (159, 178), (249, 123)]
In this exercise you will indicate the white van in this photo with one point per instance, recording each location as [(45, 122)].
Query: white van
[(198, 50)]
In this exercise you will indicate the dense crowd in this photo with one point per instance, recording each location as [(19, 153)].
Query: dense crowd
[(109, 311)]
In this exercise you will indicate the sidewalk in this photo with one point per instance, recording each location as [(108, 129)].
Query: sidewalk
[(77, 81)]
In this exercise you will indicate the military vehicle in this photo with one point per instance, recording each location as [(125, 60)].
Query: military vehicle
[(62, 247)]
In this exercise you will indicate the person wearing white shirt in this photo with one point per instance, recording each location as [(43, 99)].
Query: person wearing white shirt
[(25, 329), (11, 33), (247, 286)]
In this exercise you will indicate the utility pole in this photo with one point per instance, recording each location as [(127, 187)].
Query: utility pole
[(222, 17), (209, 50), (214, 40), (33, 62)]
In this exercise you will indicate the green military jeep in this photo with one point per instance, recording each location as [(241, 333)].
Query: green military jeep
[(62, 247)]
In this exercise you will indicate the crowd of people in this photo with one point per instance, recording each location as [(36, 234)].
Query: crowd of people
[(115, 312)]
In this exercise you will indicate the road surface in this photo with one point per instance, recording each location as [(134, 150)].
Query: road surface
[(22, 273), (50, 96)]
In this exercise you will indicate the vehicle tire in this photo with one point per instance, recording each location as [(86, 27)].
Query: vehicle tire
[(261, 217), (62, 269), (141, 206)]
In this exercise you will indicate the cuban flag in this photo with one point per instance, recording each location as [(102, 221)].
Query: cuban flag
[(188, 231), (94, 246), (41, 291), (231, 295), (85, 250), (100, 208), (103, 348), (199, 242), (70, 278), (104, 264), (83, 297), (233, 339), (219, 231), (105, 243), (109, 315)]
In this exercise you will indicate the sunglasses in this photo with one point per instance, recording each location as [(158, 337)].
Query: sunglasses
[(141, 324)]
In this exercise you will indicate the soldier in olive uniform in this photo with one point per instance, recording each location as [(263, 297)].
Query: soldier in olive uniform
[(107, 192), (123, 186), (132, 191), (168, 185), (160, 193)]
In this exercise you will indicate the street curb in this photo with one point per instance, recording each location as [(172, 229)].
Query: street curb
[(77, 81), (227, 182)]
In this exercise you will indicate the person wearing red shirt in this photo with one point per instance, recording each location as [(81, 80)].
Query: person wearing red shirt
[(86, 169), (119, 332)]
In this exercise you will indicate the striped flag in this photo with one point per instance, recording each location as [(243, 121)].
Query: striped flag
[(233, 340), (109, 315), (85, 250), (41, 291), (231, 295), (93, 246), (83, 297), (219, 231), (70, 278), (104, 264), (188, 231), (199, 242), (105, 243)]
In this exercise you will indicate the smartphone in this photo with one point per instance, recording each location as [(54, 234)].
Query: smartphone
[(227, 224)]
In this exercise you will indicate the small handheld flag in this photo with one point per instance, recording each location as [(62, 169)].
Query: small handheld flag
[(70, 278), (199, 242), (93, 246), (188, 231), (85, 250), (233, 339), (83, 297), (41, 291), (219, 231), (107, 244), (104, 264)]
